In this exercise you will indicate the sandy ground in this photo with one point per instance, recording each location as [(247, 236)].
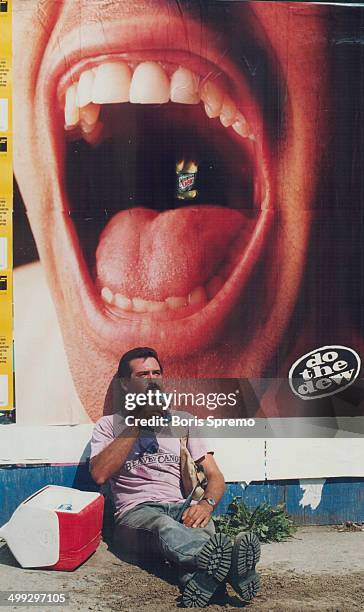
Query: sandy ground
[(319, 569)]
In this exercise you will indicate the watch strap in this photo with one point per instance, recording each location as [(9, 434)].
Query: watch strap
[(210, 500)]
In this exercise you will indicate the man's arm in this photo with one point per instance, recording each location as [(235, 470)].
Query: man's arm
[(113, 457), (200, 514)]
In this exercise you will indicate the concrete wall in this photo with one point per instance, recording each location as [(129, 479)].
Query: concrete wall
[(309, 501), (321, 480)]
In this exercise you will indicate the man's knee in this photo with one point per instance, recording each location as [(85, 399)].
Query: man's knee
[(166, 526), (210, 528)]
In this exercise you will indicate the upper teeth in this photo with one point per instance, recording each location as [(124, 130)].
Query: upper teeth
[(115, 82)]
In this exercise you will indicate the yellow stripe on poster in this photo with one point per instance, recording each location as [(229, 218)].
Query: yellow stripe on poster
[(6, 205)]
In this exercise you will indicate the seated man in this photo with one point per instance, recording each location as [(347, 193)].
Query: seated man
[(145, 477)]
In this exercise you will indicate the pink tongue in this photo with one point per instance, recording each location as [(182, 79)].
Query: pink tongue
[(143, 253)]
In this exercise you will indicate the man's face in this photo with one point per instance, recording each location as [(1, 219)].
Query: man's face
[(142, 371), (211, 283), (146, 368)]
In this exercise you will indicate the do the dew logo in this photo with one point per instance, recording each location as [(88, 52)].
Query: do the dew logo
[(324, 371)]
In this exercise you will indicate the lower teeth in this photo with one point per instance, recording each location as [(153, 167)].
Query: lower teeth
[(198, 296)]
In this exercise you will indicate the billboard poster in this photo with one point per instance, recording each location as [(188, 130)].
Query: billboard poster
[(188, 177)]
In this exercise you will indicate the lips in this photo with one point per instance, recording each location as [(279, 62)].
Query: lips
[(185, 267)]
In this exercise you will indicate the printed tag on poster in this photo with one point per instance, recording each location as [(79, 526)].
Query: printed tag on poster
[(324, 371)]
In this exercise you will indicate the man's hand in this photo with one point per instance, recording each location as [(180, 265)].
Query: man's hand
[(197, 515), (146, 412), (145, 386)]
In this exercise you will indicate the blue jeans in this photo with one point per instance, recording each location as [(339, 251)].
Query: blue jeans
[(152, 528)]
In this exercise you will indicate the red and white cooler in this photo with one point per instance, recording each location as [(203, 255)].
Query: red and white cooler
[(55, 528)]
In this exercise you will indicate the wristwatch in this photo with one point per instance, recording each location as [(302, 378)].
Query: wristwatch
[(210, 501)]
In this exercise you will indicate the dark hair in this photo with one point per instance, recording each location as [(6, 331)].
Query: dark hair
[(124, 370)]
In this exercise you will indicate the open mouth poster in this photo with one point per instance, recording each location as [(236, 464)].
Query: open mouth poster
[(188, 177)]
